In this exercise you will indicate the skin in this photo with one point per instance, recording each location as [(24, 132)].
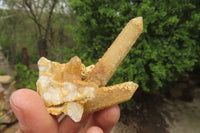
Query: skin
[(34, 118)]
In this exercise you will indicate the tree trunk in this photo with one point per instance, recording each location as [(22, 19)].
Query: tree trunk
[(25, 57), (42, 47)]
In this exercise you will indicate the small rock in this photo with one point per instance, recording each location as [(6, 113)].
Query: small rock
[(2, 127), (8, 117), (1, 88), (5, 79), (12, 129), (1, 58), (1, 96)]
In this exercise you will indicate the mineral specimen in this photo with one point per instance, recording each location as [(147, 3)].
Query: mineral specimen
[(74, 89)]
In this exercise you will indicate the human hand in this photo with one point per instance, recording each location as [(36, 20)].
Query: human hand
[(33, 117)]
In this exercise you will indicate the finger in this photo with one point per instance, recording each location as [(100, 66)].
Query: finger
[(105, 119), (74, 126), (31, 112), (94, 129)]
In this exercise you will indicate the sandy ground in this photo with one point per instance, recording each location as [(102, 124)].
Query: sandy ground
[(183, 117), (172, 116)]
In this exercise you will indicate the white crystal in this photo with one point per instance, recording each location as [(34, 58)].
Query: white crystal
[(75, 111)]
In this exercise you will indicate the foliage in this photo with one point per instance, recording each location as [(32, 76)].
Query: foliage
[(40, 13), (2, 73), (168, 47), (98, 25), (25, 77), (19, 31), (14, 35), (127, 105)]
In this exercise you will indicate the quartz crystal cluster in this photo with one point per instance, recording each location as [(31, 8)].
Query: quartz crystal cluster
[(74, 89)]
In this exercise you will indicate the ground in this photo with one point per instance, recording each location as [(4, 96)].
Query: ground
[(145, 118), (157, 114)]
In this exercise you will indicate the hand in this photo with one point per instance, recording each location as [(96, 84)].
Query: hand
[(34, 118)]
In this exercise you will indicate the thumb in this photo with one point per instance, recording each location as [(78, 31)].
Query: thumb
[(31, 112)]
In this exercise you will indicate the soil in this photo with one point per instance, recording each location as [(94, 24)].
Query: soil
[(145, 117), (154, 113)]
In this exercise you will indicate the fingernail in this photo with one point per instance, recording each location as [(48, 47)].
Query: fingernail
[(17, 111), (14, 107)]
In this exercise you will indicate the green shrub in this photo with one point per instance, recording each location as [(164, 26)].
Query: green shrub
[(128, 105), (25, 77), (167, 49), (2, 73)]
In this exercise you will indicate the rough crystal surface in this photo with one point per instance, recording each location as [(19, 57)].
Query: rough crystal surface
[(74, 89)]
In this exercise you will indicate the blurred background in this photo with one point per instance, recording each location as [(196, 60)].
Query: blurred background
[(165, 61)]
